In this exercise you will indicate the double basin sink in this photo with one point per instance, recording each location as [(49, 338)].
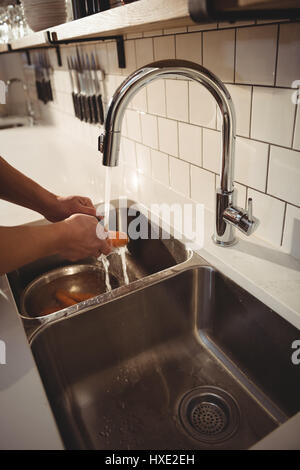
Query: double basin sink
[(180, 358)]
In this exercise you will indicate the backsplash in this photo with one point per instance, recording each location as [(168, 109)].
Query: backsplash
[(171, 129)]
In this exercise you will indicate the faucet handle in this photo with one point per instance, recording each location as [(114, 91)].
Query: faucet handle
[(250, 209), (101, 142), (241, 218)]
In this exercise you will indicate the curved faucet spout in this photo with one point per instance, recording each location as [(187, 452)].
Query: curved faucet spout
[(109, 142), (171, 69)]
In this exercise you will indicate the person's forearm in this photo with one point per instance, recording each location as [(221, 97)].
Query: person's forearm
[(23, 244), (19, 189)]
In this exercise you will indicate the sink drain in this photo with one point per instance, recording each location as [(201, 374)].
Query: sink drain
[(209, 414)]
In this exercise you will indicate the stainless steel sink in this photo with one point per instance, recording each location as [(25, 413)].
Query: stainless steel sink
[(181, 358), (117, 376)]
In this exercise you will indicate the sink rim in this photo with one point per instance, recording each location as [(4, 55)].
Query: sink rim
[(37, 325)]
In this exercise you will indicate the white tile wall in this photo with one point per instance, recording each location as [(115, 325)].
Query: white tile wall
[(203, 186), (164, 47), (211, 150), (144, 51), (242, 96), (218, 53), (189, 47), (288, 68), (202, 106), (180, 176), (270, 212), (190, 143), (297, 130), (177, 99), (284, 175), (251, 163), (156, 97), (160, 166), (143, 158), (149, 130), (171, 129), (291, 234), (256, 55), (168, 136), (273, 114)]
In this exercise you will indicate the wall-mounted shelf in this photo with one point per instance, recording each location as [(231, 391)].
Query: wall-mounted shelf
[(3, 48), (144, 15)]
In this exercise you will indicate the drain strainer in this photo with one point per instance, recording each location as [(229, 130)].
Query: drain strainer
[(209, 414)]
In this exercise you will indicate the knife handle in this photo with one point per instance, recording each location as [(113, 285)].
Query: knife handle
[(38, 89), (94, 109), (87, 108), (84, 107), (75, 104), (91, 109), (100, 109), (50, 91), (81, 106)]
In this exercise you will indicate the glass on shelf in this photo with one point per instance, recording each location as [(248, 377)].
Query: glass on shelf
[(13, 24)]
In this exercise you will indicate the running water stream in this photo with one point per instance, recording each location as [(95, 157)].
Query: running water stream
[(105, 264), (107, 196), (122, 250)]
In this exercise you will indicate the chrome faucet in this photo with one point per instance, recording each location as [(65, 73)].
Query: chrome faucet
[(228, 216), (30, 110)]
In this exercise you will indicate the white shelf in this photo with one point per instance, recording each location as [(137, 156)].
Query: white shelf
[(3, 48), (144, 15)]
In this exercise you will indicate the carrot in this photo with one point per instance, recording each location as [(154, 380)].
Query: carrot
[(64, 298), (80, 296), (118, 239), (47, 311)]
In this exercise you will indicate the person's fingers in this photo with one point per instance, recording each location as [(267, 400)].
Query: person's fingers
[(85, 201), (87, 210), (105, 248)]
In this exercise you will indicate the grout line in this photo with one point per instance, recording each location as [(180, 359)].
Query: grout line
[(251, 111), (202, 146), (295, 119), (234, 55), (277, 54), (283, 224), (268, 166)]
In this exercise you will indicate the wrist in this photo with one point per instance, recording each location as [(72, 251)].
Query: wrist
[(60, 236), (49, 205)]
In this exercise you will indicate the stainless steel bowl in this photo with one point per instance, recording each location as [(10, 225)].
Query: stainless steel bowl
[(39, 295)]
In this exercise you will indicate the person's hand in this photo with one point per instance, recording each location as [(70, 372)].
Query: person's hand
[(61, 207), (82, 236)]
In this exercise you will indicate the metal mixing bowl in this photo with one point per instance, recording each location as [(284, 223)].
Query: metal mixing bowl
[(39, 295)]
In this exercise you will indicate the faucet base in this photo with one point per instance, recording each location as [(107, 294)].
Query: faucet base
[(223, 243)]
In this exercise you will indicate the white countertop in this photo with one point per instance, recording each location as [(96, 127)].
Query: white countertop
[(70, 167)]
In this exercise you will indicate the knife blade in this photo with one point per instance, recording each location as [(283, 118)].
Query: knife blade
[(97, 77)]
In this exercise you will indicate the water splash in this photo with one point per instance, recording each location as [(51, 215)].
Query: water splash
[(122, 253), (105, 264)]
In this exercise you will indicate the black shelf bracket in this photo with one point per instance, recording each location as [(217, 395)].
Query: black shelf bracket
[(51, 38), (29, 49)]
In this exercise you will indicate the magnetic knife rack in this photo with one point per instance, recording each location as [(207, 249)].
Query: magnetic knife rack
[(52, 42)]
